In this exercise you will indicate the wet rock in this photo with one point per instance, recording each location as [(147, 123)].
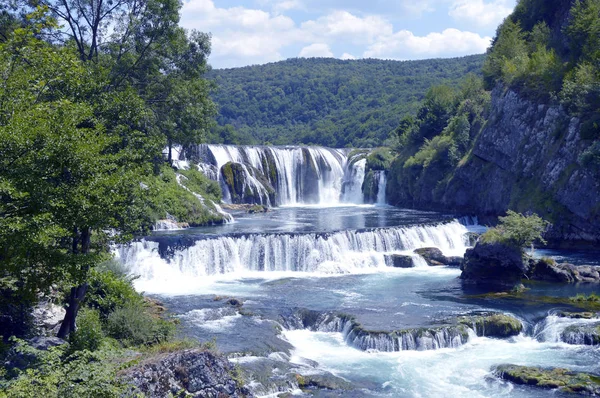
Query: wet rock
[(577, 315), (473, 237), (257, 209), (494, 264), (399, 261), (190, 373), (247, 184), (564, 380), (323, 381), (432, 255), (585, 334), (549, 271), (493, 325)]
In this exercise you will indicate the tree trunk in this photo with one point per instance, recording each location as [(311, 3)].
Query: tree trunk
[(77, 292), (75, 299), (170, 152)]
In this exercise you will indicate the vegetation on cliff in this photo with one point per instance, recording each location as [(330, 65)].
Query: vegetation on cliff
[(326, 101), (549, 51)]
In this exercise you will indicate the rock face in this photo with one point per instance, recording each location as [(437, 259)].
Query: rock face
[(246, 184), (526, 158), (494, 264), (47, 318), (191, 373), (555, 378)]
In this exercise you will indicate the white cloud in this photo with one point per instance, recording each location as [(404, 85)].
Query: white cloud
[(316, 50), (342, 24), (347, 56), (241, 36), (405, 45), (481, 13)]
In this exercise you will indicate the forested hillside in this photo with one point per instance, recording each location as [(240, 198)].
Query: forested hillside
[(328, 102)]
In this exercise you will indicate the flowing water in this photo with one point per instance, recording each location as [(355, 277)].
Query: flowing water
[(320, 296)]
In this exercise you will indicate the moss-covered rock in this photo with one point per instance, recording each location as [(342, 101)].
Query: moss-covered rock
[(380, 159), (247, 184), (564, 380), (493, 325)]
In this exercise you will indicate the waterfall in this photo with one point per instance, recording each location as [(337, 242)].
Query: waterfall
[(382, 184), (330, 253), (298, 175), (421, 339), (568, 330), (353, 180)]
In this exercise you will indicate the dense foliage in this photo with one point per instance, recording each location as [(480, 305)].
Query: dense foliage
[(86, 109), (550, 50), (326, 101), (114, 321), (431, 145)]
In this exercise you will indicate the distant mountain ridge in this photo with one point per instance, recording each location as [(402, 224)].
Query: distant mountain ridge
[(326, 101)]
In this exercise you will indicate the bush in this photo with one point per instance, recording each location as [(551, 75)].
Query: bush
[(134, 325), (89, 334), (379, 159), (109, 291), (83, 374)]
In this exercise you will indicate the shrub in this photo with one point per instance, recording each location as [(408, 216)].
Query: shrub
[(109, 291), (82, 374), (89, 334), (134, 325), (380, 159)]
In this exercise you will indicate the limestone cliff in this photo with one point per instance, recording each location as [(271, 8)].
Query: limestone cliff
[(526, 158)]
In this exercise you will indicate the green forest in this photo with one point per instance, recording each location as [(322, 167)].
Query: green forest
[(329, 102)]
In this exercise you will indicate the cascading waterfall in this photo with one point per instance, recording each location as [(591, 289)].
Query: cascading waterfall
[(299, 175), (401, 340), (338, 252), (353, 180), (381, 188), (571, 331)]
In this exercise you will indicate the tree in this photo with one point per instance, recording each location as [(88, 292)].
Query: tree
[(518, 230), (68, 184)]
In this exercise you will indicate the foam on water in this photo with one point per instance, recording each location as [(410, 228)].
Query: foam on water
[(449, 372)]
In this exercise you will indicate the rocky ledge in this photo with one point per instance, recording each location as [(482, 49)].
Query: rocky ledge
[(191, 373), (553, 378)]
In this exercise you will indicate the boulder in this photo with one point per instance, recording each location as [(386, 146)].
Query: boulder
[(494, 264), (47, 318), (190, 373), (584, 334), (399, 261), (548, 270), (493, 325), (432, 255), (564, 380)]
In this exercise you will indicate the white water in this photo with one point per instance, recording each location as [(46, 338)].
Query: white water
[(353, 180), (301, 175), (381, 188), (335, 253), (451, 372)]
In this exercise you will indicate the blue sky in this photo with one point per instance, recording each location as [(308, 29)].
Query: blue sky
[(247, 32)]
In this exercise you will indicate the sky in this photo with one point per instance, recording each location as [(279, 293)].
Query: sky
[(249, 32)]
